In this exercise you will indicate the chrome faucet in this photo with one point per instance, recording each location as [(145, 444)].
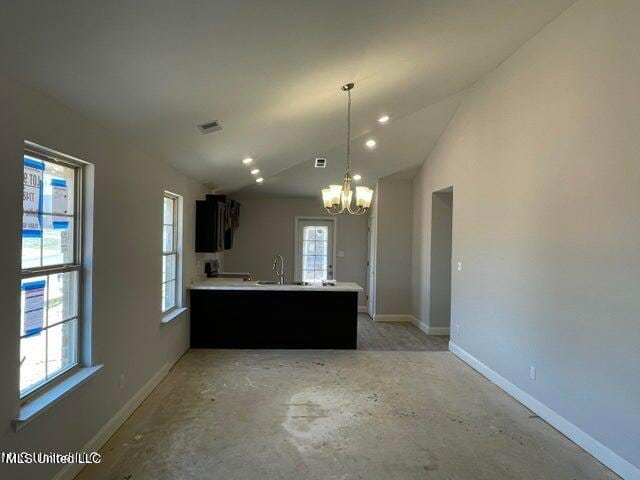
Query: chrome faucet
[(279, 273)]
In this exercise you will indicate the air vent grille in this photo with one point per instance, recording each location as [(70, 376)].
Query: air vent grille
[(209, 127), (321, 162)]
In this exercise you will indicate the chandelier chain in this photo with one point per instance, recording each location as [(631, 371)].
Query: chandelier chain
[(348, 130)]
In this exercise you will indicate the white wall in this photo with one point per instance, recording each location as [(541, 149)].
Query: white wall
[(544, 157), (393, 246), (128, 336), (267, 229)]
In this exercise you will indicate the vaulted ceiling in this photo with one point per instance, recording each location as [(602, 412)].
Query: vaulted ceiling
[(270, 72)]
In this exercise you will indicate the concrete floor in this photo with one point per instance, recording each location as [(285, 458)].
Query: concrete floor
[(233, 414)]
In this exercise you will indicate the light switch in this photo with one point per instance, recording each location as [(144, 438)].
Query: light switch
[(341, 253), (459, 266)]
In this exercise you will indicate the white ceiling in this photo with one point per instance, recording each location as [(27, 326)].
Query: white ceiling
[(270, 72), (401, 145)]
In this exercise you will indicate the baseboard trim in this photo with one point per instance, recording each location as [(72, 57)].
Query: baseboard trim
[(363, 309), (438, 331), (430, 330), (70, 471), (608, 457), (392, 318)]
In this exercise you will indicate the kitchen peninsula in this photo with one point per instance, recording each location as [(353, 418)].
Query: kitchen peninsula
[(228, 313)]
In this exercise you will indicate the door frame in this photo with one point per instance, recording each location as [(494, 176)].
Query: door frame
[(296, 241), (372, 227), (435, 249)]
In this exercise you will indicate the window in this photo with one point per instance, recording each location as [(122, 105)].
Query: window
[(51, 270), (171, 252)]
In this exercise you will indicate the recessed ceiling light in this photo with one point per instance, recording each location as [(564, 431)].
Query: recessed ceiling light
[(370, 143), (247, 160), (255, 171), (357, 177), (383, 119), (259, 180)]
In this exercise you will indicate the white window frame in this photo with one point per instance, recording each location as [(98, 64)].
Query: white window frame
[(169, 313), (76, 265)]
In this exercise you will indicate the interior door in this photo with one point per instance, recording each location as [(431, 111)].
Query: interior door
[(314, 250)]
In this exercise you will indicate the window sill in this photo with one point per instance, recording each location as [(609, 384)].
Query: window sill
[(31, 410), (173, 314)]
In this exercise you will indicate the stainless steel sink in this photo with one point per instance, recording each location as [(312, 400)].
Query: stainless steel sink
[(271, 282)]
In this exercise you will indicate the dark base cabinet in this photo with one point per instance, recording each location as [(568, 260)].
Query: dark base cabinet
[(274, 319)]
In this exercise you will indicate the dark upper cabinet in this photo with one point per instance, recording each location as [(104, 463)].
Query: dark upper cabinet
[(233, 222), (216, 220)]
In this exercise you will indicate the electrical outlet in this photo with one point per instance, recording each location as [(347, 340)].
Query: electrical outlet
[(459, 266), (121, 381), (532, 372), (457, 329)]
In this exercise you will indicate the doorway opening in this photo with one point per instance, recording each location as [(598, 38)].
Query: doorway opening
[(315, 240), (441, 248)]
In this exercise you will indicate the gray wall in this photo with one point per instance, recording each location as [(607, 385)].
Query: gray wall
[(544, 157), (440, 267), (128, 336), (267, 229), (394, 204)]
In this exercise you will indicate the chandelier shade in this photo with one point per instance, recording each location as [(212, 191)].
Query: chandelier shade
[(338, 198)]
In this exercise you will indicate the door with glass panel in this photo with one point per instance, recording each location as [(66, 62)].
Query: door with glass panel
[(314, 250)]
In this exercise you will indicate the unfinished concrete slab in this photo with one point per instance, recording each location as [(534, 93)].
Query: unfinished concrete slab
[(224, 414)]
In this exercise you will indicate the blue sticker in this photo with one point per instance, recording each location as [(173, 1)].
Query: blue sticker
[(60, 225), (34, 285), (57, 182), (31, 233), (33, 163)]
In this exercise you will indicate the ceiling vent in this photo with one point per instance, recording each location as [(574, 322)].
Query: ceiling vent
[(210, 127), (321, 162)]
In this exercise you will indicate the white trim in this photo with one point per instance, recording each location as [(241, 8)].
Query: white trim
[(393, 318), (403, 317), (70, 471), (172, 314), (430, 330), (438, 331), (363, 309), (372, 231), (296, 247), (178, 227), (602, 453), (44, 401), (421, 325)]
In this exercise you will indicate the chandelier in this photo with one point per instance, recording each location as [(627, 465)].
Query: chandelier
[(337, 198)]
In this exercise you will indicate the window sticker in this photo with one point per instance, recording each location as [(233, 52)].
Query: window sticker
[(32, 198), (60, 224), (33, 307), (60, 196)]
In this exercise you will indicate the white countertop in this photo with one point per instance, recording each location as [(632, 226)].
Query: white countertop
[(234, 273), (238, 284)]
